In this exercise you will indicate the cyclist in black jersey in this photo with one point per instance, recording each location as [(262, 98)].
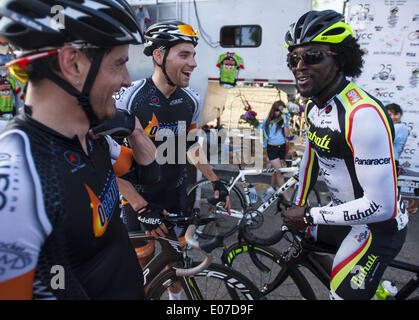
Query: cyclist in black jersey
[(169, 111), (61, 236), (350, 141)]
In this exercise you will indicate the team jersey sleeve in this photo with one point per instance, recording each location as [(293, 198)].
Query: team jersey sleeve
[(220, 59), (121, 157), (123, 99), (24, 225), (198, 108), (309, 170), (308, 173), (370, 139)]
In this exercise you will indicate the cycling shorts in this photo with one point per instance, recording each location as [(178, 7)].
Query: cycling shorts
[(363, 253)]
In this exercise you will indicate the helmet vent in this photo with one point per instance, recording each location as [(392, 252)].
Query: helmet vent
[(15, 28), (334, 32), (313, 31), (104, 27), (24, 11), (298, 33)]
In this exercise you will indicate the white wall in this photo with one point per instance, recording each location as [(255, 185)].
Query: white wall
[(266, 61)]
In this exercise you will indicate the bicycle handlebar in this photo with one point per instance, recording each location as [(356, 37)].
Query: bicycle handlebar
[(206, 246), (293, 169), (194, 244), (252, 239)]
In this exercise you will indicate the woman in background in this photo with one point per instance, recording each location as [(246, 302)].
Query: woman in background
[(275, 133)]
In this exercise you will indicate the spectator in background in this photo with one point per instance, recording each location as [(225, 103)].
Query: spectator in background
[(275, 132), (400, 130), (400, 137)]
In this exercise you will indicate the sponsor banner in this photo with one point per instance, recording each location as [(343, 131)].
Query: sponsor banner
[(388, 32), (409, 186)]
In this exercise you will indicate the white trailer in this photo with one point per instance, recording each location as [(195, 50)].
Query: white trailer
[(264, 63)]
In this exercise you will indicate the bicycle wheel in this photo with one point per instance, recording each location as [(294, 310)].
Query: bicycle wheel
[(277, 281), (217, 282), (226, 224)]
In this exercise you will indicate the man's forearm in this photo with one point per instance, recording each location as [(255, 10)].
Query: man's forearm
[(199, 160), (130, 194)]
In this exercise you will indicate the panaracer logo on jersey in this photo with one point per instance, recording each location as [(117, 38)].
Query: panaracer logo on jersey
[(322, 142), (372, 162)]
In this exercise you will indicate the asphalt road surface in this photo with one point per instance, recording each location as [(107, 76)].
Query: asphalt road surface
[(409, 252)]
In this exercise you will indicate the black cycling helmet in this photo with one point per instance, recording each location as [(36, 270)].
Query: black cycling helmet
[(166, 35), (31, 26), (326, 26)]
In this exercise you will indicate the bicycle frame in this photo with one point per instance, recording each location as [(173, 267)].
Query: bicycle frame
[(413, 283), (242, 177), (303, 257), (171, 252)]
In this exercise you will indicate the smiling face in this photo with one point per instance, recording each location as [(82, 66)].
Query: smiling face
[(113, 74), (180, 63), (315, 80)]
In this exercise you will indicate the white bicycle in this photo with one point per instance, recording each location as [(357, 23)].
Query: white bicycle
[(241, 206)]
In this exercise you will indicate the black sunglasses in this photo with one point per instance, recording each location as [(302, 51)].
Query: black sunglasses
[(309, 57)]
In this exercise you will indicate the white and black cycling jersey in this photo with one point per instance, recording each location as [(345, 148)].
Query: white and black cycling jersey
[(349, 140)]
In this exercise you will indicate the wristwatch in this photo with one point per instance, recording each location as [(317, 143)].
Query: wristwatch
[(308, 219)]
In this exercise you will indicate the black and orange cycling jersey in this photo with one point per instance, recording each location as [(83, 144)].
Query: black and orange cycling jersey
[(349, 141), (167, 122), (59, 210)]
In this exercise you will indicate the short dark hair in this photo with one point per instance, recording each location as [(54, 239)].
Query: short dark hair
[(34, 69), (394, 107), (349, 54)]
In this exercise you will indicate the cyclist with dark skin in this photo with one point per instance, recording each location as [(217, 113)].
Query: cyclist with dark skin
[(59, 199), (350, 141)]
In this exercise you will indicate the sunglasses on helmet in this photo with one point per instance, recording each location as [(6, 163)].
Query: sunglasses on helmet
[(187, 30), (309, 57), (17, 67)]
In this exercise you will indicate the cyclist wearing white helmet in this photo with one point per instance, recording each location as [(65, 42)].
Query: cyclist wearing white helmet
[(350, 141), (59, 199)]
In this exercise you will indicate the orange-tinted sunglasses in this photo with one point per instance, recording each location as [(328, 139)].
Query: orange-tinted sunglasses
[(187, 30)]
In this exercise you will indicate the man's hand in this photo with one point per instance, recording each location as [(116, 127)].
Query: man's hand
[(151, 218), (121, 125), (144, 150), (294, 218), (221, 193)]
